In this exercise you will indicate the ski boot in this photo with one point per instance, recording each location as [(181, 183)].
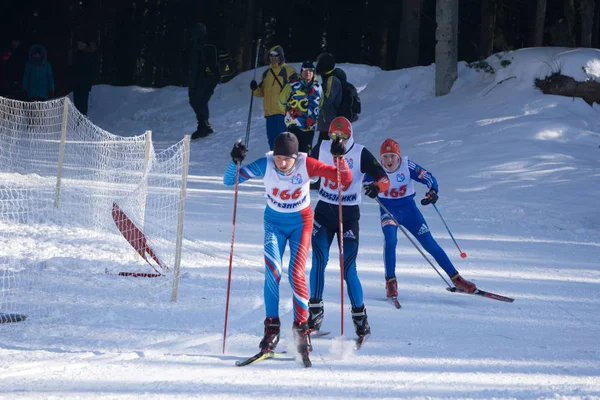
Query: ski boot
[(302, 340), (315, 314), (361, 325), (391, 287), (209, 129), (463, 284), (271, 337)]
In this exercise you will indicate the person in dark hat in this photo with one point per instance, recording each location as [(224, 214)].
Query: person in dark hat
[(332, 94), (288, 217), (273, 81), (301, 100), (203, 78)]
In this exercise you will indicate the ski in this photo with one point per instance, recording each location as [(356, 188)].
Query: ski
[(360, 341), (263, 355), (318, 334), (483, 293), (396, 302)]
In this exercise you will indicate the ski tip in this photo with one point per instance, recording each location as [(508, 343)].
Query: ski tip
[(452, 289)]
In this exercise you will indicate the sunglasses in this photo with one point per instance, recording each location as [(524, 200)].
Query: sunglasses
[(273, 54), (308, 69), (341, 135)]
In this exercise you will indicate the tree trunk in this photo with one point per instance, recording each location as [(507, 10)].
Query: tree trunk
[(569, 9), (446, 35), (538, 24), (245, 59), (383, 48), (488, 27), (587, 22), (596, 28), (408, 43)]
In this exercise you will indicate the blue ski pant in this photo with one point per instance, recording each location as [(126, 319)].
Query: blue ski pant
[(325, 227), (275, 125), (280, 229), (409, 216)]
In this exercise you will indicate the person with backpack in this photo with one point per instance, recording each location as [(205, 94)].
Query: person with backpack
[(332, 94), (301, 100), (399, 201), (288, 219), (273, 81), (203, 78), (350, 105)]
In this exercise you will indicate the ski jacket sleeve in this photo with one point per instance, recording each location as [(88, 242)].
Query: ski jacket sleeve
[(255, 169), (420, 174), (318, 168), (25, 84), (284, 96), (49, 78), (369, 165), (260, 92)]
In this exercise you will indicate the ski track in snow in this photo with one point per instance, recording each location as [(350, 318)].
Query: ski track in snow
[(518, 187)]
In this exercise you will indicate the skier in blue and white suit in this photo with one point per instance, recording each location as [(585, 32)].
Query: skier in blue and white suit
[(399, 200), (327, 222), (288, 217)]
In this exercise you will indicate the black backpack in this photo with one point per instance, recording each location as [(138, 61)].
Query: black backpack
[(226, 66), (221, 60), (350, 105)]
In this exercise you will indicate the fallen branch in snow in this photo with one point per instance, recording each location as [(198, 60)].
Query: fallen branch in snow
[(563, 85), (498, 83)]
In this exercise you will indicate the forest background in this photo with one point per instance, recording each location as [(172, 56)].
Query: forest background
[(147, 42)]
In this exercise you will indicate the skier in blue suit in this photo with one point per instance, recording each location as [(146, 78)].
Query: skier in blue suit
[(399, 201)]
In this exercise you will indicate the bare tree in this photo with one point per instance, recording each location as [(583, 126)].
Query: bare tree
[(408, 43), (587, 22), (569, 9), (538, 25), (446, 48)]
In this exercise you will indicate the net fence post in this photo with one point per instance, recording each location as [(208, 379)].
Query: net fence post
[(61, 152), (180, 216)]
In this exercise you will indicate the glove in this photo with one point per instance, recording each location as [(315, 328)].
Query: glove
[(338, 149), (430, 198), (253, 85), (238, 153), (371, 189)]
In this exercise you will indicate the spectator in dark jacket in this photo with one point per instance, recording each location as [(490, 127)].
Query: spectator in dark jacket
[(203, 78), (84, 67), (38, 82), (332, 94), (15, 58)]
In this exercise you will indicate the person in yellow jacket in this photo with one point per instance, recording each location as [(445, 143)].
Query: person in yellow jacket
[(273, 81)]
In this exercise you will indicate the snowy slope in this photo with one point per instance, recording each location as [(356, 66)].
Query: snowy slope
[(519, 187)]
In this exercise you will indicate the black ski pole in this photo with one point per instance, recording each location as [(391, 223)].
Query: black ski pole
[(412, 241), (252, 97)]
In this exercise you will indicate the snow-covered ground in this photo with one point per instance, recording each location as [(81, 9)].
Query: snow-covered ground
[(519, 176)]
